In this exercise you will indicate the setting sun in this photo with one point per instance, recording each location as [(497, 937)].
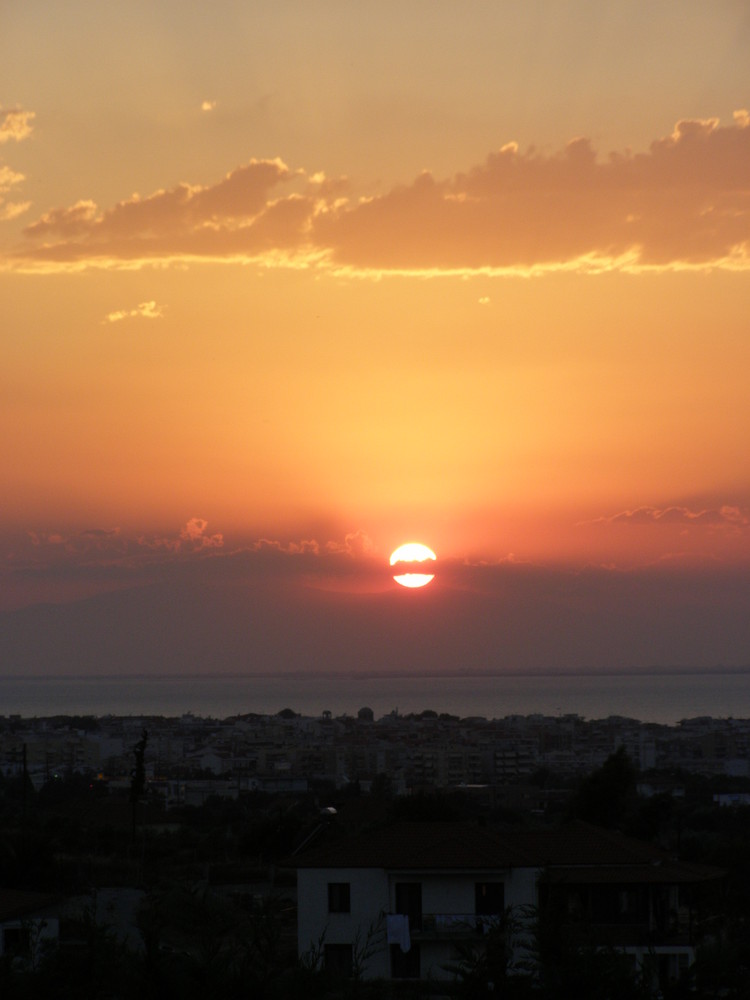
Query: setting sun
[(404, 558)]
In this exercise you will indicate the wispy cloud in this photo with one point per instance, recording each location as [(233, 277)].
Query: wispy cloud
[(10, 179), (684, 203), (115, 546), (146, 310), (726, 516), (15, 124), (111, 554)]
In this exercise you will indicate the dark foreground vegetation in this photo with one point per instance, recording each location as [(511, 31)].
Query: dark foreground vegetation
[(215, 912)]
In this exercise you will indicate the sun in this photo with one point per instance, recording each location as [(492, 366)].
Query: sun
[(406, 559)]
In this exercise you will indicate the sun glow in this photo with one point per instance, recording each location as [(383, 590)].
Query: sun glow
[(404, 559)]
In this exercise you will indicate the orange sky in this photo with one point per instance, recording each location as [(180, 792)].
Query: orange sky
[(331, 277)]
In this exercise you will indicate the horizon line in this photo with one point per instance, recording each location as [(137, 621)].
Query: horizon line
[(654, 671)]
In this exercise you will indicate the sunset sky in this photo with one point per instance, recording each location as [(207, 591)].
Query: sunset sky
[(287, 284)]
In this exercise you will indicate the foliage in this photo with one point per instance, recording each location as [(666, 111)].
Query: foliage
[(425, 808), (209, 943), (607, 797), (578, 970), (366, 944), (487, 967)]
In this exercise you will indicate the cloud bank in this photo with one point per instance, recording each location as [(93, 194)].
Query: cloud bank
[(684, 203), (265, 609)]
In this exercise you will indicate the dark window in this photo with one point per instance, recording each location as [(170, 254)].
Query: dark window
[(489, 898), (16, 940), (405, 964), (628, 904), (338, 959), (409, 901), (339, 897)]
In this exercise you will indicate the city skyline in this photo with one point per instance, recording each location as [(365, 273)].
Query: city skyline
[(288, 286)]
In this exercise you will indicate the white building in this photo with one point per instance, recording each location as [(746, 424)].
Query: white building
[(29, 922), (399, 901)]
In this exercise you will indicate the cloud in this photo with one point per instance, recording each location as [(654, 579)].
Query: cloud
[(683, 203), (146, 310), (194, 533), (191, 539), (15, 124), (357, 543), (8, 180), (241, 216), (62, 551), (112, 550), (235, 613), (725, 516), (97, 547), (12, 209)]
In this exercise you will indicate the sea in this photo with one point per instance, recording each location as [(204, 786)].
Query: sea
[(664, 698)]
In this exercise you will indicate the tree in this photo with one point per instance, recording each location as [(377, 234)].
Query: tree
[(608, 796), (138, 775), (489, 968)]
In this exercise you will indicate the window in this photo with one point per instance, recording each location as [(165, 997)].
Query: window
[(338, 959), (16, 940), (339, 897), (409, 901), (405, 964), (489, 898), (627, 904)]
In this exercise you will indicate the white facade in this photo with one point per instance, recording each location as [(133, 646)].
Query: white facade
[(448, 913), (28, 937)]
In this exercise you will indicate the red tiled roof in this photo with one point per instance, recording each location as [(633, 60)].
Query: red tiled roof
[(671, 873), (419, 846), (579, 843), (15, 903), (576, 852)]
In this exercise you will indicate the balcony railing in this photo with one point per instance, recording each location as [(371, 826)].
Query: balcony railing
[(435, 926), (624, 934)]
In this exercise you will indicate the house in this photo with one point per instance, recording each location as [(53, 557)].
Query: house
[(401, 901), (29, 922)]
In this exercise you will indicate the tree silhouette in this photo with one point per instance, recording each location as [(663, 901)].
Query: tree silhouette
[(608, 796), (138, 775)]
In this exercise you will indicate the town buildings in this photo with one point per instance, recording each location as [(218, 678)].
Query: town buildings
[(412, 753)]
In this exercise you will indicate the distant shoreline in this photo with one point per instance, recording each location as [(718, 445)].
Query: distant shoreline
[(394, 674)]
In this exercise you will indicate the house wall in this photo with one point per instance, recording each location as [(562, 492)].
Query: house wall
[(373, 896), (453, 892), (366, 919), (40, 931)]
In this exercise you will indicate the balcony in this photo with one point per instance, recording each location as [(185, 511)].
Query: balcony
[(623, 935), (451, 926)]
